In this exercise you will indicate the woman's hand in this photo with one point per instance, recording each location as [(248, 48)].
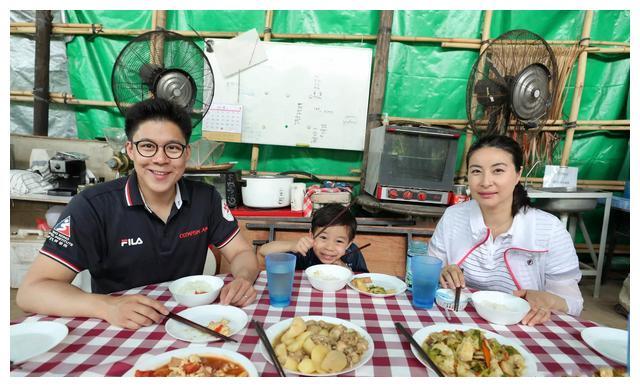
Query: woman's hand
[(451, 277), (542, 304)]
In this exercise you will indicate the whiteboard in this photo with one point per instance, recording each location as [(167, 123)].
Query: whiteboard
[(302, 95)]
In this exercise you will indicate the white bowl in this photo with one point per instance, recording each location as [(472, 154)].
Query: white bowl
[(184, 289), (500, 308), (328, 278), (446, 298)]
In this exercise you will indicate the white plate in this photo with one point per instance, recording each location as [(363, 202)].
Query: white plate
[(31, 339), (276, 329), (203, 315), (421, 335), (610, 342), (146, 363), (384, 280)]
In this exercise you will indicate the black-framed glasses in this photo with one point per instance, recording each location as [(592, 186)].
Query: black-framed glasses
[(148, 148)]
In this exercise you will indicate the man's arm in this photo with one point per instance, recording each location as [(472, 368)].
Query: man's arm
[(244, 268), (47, 289)]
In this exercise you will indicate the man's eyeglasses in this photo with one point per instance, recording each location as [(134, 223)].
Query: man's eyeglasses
[(148, 148)]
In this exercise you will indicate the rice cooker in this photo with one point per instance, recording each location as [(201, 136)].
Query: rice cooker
[(266, 191)]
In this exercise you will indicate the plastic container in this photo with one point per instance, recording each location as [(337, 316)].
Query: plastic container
[(415, 248), (53, 214), (446, 298)]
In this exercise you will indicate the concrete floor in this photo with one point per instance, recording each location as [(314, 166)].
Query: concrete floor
[(599, 310)]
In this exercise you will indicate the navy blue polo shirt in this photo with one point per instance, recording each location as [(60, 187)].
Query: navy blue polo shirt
[(354, 260), (109, 230)]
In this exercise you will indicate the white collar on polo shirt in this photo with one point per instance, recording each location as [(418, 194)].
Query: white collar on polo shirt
[(522, 230), (177, 200)]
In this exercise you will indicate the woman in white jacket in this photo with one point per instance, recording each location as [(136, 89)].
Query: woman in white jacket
[(504, 244)]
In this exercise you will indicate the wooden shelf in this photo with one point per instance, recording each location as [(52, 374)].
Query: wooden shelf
[(43, 198)]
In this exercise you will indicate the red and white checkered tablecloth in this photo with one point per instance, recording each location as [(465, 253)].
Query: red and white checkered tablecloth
[(95, 348)]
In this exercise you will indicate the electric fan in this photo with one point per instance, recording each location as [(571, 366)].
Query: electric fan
[(512, 82), (163, 64)]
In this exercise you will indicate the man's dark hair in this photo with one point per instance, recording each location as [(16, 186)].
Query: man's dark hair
[(325, 215), (156, 109)]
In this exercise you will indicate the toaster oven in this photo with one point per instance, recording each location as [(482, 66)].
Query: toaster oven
[(227, 183), (411, 164)]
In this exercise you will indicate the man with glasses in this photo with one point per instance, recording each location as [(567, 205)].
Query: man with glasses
[(152, 226)]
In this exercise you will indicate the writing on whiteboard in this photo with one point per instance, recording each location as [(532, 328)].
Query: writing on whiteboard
[(307, 94)]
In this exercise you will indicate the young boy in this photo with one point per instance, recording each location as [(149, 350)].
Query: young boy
[(328, 247)]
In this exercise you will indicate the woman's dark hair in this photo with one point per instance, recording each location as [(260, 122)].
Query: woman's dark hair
[(325, 215), (509, 145), (156, 109)]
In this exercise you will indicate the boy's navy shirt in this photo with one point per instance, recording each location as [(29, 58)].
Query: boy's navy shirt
[(354, 259)]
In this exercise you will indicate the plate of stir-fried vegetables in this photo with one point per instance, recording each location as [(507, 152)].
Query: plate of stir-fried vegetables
[(460, 350)]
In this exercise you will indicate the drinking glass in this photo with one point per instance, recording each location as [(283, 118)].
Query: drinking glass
[(426, 275), (280, 270)]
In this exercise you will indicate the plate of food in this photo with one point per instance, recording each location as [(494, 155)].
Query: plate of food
[(460, 350), (319, 345), (377, 285), (225, 319), (609, 342), (194, 361)]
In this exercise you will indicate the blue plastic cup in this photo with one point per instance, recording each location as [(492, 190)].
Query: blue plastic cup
[(426, 276), (280, 271)]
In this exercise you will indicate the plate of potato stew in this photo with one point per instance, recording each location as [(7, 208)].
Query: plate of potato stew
[(460, 350), (319, 345)]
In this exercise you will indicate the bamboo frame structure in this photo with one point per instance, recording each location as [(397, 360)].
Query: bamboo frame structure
[(486, 30), (98, 29), (255, 148), (159, 19), (579, 86)]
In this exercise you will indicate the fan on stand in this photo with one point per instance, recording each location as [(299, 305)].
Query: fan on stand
[(512, 82), (163, 64)]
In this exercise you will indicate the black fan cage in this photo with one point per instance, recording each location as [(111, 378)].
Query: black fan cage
[(497, 66), (161, 51)]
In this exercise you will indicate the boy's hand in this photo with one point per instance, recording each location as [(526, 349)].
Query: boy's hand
[(303, 245)]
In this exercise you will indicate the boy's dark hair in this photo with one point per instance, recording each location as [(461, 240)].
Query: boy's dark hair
[(325, 215), (156, 109)]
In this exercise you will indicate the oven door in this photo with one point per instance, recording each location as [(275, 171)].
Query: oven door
[(419, 157), (226, 183)]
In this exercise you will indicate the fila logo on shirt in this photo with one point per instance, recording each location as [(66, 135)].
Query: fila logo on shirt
[(130, 242)]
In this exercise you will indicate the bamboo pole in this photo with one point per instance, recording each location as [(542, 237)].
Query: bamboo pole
[(69, 101), (594, 50), (378, 84), (579, 86), (80, 29), (255, 148), (486, 30), (156, 44), (551, 125), (445, 121)]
